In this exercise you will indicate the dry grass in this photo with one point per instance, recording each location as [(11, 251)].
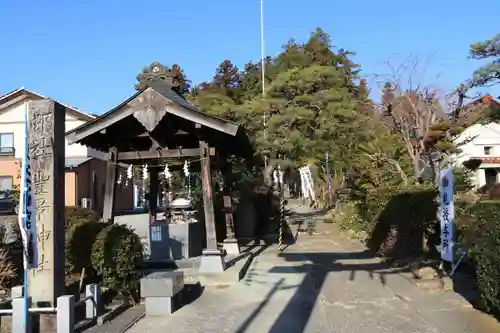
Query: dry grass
[(7, 273), (7, 270)]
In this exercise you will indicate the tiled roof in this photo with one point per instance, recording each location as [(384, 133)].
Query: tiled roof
[(22, 90), (473, 111), (489, 160)]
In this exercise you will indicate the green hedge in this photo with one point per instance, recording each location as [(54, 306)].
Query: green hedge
[(79, 240), (401, 223), (82, 227), (116, 254), (485, 251)]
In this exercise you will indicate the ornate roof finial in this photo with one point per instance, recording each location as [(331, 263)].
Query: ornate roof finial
[(155, 70)]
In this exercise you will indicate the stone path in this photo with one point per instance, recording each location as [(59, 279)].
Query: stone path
[(322, 283)]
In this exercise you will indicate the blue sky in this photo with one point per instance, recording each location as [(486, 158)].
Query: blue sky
[(88, 53)]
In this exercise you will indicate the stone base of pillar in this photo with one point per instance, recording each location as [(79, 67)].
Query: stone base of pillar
[(212, 261), (231, 246)]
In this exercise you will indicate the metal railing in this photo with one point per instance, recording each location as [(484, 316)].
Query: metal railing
[(65, 310)]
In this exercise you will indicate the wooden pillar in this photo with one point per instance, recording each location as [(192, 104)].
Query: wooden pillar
[(212, 260), (230, 243), (153, 193), (208, 201), (108, 212), (46, 153)]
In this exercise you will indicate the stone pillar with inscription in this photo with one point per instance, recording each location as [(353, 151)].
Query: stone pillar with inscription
[(46, 134), (230, 243)]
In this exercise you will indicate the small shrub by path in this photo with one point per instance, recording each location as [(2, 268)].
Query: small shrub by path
[(116, 254)]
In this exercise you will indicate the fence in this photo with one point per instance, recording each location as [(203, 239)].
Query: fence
[(65, 310)]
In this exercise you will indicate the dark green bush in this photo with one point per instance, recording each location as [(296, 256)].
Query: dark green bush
[(82, 226), (405, 228), (116, 253), (78, 215), (472, 222), (486, 253), (79, 240)]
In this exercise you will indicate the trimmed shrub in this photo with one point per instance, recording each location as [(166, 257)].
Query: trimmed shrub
[(79, 240), (472, 222), (485, 252), (78, 215), (82, 226), (406, 226), (116, 254)]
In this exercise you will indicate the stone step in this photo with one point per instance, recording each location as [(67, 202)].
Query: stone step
[(430, 284), (167, 264)]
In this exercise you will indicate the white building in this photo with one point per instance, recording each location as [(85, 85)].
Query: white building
[(482, 143)]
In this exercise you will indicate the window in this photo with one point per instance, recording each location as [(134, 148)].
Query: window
[(6, 143), (487, 150), (6, 184)]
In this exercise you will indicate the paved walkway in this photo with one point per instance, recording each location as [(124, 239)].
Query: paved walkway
[(323, 283)]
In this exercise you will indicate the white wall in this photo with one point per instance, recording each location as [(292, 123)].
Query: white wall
[(479, 136), (12, 121)]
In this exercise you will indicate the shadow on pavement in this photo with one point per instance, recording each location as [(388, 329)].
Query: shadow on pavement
[(244, 326), (296, 314)]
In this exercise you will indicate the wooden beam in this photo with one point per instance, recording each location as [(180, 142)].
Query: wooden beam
[(204, 119), (170, 153), (110, 187)]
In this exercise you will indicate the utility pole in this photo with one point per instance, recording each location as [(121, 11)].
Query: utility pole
[(263, 69)]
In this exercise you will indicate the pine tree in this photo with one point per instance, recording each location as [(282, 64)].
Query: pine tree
[(227, 79), (314, 103), (488, 74), (388, 94)]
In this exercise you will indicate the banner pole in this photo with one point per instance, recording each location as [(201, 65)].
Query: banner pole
[(24, 211)]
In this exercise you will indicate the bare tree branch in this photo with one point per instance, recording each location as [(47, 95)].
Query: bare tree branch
[(380, 157)]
